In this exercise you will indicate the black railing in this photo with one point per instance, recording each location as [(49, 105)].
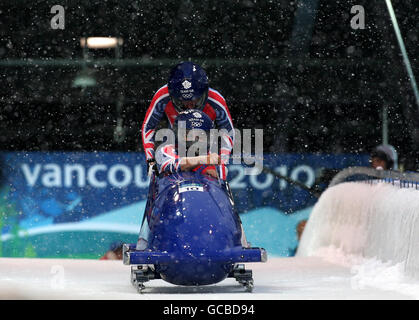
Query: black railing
[(371, 175)]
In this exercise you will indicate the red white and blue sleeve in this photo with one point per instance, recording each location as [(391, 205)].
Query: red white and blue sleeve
[(167, 159), (223, 120), (154, 114)]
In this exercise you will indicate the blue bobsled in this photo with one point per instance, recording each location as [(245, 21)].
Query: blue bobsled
[(190, 235)]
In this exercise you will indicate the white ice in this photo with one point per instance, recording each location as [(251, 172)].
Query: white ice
[(279, 278)]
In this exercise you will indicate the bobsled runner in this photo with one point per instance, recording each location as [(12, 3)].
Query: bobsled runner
[(190, 235)]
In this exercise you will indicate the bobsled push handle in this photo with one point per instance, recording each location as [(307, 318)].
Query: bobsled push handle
[(232, 255)]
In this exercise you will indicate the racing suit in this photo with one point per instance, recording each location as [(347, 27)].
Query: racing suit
[(215, 107)]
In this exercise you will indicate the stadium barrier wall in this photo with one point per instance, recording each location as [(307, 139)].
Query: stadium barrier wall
[(82, 204), (376, 220)]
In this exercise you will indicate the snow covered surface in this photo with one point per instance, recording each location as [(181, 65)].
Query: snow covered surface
[(334, 277), (361, 242), (378, 221)]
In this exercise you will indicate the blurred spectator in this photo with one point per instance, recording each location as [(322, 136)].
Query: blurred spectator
[(300, 228), (114, 252), (384, 157)]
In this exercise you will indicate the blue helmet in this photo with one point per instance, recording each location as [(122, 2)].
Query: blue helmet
[(193, 120), (188, 86)]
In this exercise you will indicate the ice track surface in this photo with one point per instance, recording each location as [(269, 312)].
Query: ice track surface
[(279, 278)]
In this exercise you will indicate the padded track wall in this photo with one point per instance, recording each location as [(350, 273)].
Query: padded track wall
[(370, 220)]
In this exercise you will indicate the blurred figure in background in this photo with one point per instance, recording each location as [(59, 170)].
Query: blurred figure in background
[(114, 252), (384, 157), (299, 230)]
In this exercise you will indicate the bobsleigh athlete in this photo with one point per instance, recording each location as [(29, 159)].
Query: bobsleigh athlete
[(197, 127), (188, 88)]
